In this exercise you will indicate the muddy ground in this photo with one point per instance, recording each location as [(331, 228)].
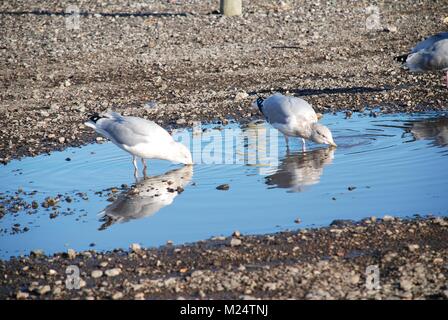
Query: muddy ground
[(411, 257), (179, 61)]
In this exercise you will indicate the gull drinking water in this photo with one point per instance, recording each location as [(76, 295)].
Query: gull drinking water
[(140, 137), (430, 54), (294, 117)]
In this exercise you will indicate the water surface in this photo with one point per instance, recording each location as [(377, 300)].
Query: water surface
[(391, 164)]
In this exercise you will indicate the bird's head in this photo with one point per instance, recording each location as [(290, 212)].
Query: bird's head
[(182, 154), (321, 134)]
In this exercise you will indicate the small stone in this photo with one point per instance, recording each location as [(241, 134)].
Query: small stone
[(135, 247), (37, 253), (44, 290), (391, 28), (387, 218), (117, 295), (437, 261), (241, 96), (197, 273), (52, 272), (224, 187), (413, 247), (22, 295), (354, 279), (181, 121), (234, 242), (270, 286), (35, 204), (406, 285), (61, 140), (71, 254), (113, 272), (139, 296), (445, 293), (96, 274)]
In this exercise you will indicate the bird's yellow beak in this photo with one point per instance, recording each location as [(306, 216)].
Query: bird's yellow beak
[(333, 144)]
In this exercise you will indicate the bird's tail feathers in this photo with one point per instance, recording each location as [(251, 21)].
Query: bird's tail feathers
[(260, 104), (402, 58)]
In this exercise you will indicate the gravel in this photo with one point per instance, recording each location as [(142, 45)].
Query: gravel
[(194, 65), (301, 264)]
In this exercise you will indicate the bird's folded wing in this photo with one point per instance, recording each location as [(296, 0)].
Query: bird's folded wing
[(130, 132), (425, 44)]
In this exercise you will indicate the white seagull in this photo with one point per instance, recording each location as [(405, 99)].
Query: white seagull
[(430, 54), (140, 137), (294, 117)]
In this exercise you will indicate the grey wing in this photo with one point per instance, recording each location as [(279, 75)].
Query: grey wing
[(425, 44), (302, 109), (276, 109), (279, 109), (433, 58), (131, 131)]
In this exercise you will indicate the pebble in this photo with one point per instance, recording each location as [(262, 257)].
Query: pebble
[(44, 290), (413, 247), (52, 272), (22, 295), (224, 187), (37, 253), (113, 272), (97, 274), (241, 96), (135, 247), (117, 296), (71, 254), (234, 242), (387, 218), (406, 285)]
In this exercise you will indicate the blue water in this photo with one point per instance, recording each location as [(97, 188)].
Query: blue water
[(397, 164)]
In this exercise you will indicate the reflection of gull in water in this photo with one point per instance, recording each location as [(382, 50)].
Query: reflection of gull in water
[(432, 129), (153, 194), (298, 170)]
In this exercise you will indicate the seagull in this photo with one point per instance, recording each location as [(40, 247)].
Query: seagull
[(294, 117), (430, 54), (140, 137)]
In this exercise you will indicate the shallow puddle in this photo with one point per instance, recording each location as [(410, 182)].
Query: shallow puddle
[(391, 164)]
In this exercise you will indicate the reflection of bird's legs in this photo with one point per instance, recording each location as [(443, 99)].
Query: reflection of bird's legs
[(287, 143), (303, 145), (447, 78), (134, 161), (144, 167)]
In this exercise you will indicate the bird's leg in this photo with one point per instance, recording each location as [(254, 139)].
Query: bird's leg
[(144, 167), (134, 161), (303, 145), (287, 143)]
